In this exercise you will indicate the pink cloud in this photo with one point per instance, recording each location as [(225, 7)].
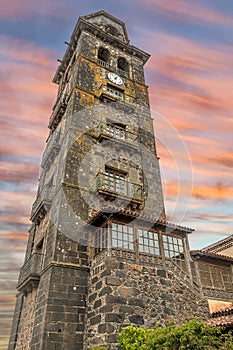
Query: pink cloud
[(188, 11), (16, 236), (194, 75), (12, 200), (18, 172), (25, 51), (194, 92), (25, 80), (204, 192), (16, 8)]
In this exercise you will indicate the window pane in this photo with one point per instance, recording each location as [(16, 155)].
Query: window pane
[(174, 246), (124, 236), (147, 241)]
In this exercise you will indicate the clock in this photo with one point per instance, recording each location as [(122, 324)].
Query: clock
[(114, 78)]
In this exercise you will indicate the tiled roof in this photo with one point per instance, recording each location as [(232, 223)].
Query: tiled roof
[(148, 218), (223, 318), (220, 245), (210, 255)]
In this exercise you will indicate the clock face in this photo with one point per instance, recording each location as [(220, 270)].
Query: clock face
[(115, 78)]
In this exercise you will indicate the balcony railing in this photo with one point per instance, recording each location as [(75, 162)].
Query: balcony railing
[(44, 197), (29, 272), (119, 187), (123, 73), (103, 63)]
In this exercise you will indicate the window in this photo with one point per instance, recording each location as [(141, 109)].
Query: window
[(227, 278), (148, 242), (217, 278), (205, 275), (123, 67), (122, 236), (173, 246), (115, 181), (115, 131), (101, 242), (213, 276), (39, 255), (103, 57)]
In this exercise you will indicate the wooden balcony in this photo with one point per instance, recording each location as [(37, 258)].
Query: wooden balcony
[(43, 201), (112, 187), (58, 112), (30, 273), (52, 148)]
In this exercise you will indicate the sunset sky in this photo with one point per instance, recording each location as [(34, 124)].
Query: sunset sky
[(190, 74)]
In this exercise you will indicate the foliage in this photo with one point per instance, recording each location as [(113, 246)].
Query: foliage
[(193, 335), (132, 338), (98, 347)]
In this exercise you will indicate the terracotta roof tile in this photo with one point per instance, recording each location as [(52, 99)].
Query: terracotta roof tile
[(220, 245), (211, 255), (223, 318), (223, 321)]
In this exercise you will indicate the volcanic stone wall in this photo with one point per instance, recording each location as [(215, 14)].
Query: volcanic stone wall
[(124, 292)]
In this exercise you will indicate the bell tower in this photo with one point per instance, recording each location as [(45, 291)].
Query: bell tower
[(99, 249)]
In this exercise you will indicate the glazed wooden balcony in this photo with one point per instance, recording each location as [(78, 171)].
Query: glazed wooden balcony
[(52, 148), (123, 189), (117, 132), (30, 273), (58, 112), (43, 200)]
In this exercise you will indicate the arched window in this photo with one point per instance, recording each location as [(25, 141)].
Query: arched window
[(103, 57), (123, 66)]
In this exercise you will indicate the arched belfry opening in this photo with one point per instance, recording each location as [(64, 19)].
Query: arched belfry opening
[(103, 55), (123, 66)]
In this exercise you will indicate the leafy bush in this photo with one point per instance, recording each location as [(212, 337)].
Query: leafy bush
[(193, 335)]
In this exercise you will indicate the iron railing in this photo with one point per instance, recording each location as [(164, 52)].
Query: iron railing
[(103, 63), (123, 73)]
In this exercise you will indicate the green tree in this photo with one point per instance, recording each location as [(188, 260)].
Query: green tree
[(193, 335)]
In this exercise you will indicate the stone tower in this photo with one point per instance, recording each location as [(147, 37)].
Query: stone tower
[(100, 252)]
